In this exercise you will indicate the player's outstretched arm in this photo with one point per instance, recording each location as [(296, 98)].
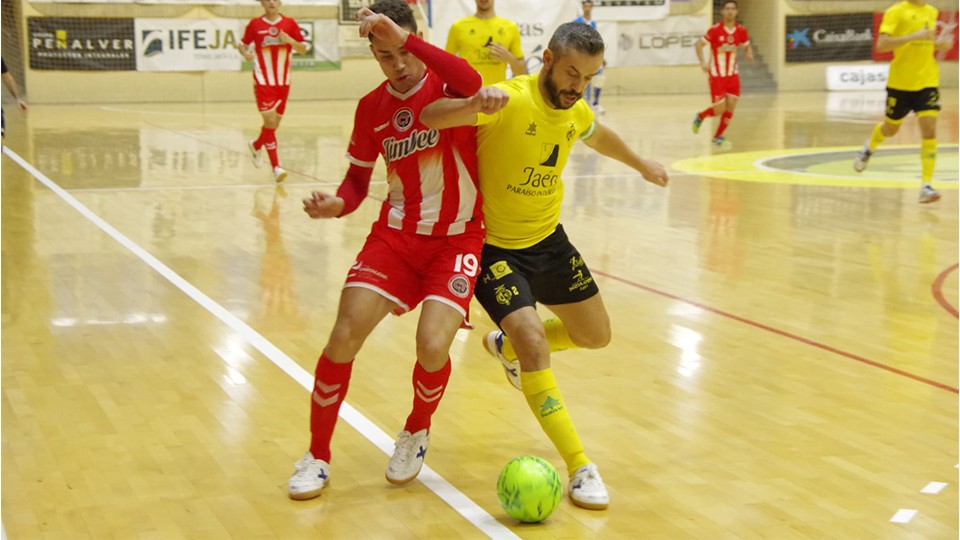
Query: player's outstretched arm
[(887, 43), (607, 142), (453, 112)]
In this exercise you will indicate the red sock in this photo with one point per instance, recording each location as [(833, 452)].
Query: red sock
[(257, 144), (269, 139), (724, 122), (427, 390), (706, 113), (329, 388)]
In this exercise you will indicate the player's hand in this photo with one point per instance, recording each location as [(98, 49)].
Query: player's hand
[(323, 205), (382, 27), (499, 52), (285, 38), (750, 56), (22, 104), (489, 100), (655, 173), (245, 52), (705, 67)]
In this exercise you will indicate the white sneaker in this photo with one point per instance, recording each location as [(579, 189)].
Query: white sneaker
[(860, 162), (407, 458), (311, 476), (279, 174), (255, 154), (928, 194), (587, 489), (493, 343)]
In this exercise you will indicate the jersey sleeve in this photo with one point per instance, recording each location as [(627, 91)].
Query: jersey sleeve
[(515, 49), (891, 19), (362, 150), (293, 30), (744, 37), (586, 118), (249, 34)]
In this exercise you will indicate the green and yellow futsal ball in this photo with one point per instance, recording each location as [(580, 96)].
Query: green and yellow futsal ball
[(529, 489)]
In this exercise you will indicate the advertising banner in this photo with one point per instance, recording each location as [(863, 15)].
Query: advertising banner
[(669, 42), (188, 44), (858, 77), (630, 10), (186, 2), (81, 44), (946, 24), (829, 38)]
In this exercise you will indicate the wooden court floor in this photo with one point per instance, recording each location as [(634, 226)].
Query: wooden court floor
[(784, 361)]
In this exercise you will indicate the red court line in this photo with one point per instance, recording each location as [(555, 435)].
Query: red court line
[(938, 291), (782, 333)]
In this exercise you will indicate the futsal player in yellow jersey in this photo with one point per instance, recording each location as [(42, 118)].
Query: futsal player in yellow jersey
[(488, 42), (909, 30), (527, 258)]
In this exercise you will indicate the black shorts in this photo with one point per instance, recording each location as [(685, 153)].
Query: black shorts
[(550, 272), (901, 102)]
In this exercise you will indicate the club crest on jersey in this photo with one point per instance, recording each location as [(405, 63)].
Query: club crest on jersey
[(273, 31), (403, 119)]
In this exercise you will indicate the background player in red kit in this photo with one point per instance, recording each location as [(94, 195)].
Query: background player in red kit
[(268, 42), (724, 39), (425, 246)]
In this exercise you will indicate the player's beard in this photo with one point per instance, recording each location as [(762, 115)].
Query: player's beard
[(554, 92)]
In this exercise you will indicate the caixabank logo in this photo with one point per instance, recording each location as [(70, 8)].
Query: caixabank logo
[(829, 38), (81, 44)]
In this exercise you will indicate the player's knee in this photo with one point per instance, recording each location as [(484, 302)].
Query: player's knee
[(432, 351), (597, 338)]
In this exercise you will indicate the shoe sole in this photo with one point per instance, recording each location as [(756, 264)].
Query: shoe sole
[(307, 495), (933, 198), (588, 505), (281, 178), (492, 352), (399, 482)]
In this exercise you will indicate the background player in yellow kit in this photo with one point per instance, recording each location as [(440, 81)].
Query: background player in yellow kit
[(527, 258), (488, 42), (909, 30)]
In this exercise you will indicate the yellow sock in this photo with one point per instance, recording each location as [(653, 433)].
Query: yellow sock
[(546, 402), (928, 158), (557, 337), (876, 137)]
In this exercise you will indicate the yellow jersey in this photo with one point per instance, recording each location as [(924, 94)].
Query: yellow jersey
[(470, 36), (913, 67), (521, 152)]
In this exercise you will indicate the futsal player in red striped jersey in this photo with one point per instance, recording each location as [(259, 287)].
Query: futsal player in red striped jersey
[(724, 38), (269, 42), (425, 246)]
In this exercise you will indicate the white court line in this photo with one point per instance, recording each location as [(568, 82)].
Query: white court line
[(903, 515), (934, 487), (194, 188), (210, 115), (462, 504)]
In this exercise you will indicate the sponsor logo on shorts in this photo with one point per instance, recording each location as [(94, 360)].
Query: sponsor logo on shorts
[(358, 268), (459, 285), (579, 282), (500, 269), (503, 295)]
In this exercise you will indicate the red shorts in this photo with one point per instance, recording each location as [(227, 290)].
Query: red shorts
[(271, 97), (721, 86), (410, 268)]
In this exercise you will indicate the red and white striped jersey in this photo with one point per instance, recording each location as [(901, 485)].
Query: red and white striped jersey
[(271, 58), (723, 48), (432, 174)]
